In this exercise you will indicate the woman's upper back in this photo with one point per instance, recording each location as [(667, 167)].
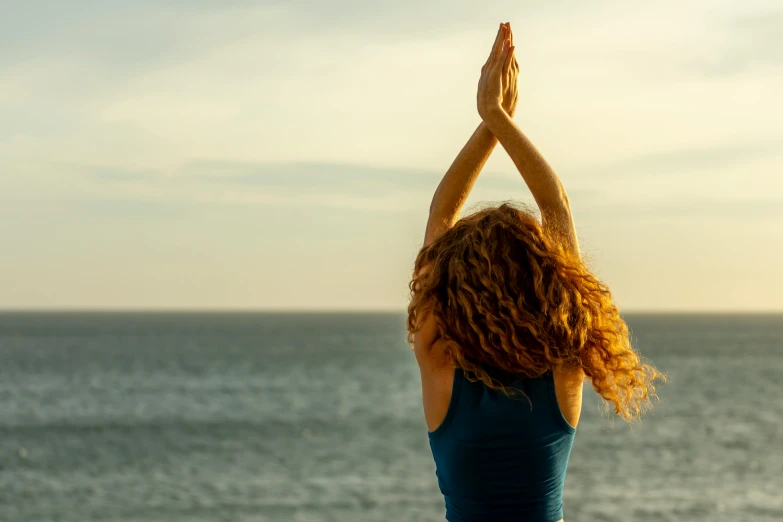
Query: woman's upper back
[(500, 458)]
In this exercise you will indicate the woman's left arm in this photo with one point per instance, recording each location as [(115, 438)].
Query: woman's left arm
[(454, 188)]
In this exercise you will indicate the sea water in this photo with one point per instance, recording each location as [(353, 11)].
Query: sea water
[(317, 417)]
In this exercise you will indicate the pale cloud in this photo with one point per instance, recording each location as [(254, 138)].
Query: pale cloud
[(372, 190), (690, 160), (753, 43)]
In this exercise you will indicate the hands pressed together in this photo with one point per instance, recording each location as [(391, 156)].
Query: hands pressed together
[(497, 88), (497, 102)]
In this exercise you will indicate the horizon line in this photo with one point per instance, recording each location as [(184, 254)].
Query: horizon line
[(346, 311)]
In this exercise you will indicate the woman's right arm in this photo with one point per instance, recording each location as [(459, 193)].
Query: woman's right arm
[(546, 187), (549, 193)]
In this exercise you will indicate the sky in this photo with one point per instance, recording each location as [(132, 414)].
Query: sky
[(282, 155)]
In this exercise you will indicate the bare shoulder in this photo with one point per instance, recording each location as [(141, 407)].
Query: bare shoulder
[(436, 388), (568, 388), (436, 370), (427, 345)]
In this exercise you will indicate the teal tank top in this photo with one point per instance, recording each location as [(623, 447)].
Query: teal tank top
[(500, 459)]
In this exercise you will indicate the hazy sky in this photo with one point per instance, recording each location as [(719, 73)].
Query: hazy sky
[(282, 155)]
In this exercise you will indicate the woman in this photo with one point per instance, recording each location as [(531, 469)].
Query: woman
[(506, 322)]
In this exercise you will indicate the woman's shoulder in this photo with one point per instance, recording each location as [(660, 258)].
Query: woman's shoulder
[(437, 386), (568, 390)]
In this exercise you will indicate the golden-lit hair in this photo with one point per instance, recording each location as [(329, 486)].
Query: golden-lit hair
[(508, 298)]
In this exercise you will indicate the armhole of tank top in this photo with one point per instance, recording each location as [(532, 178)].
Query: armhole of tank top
[(556, 407), (456, 386)]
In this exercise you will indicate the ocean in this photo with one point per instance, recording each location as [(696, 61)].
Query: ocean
[(140, 417)]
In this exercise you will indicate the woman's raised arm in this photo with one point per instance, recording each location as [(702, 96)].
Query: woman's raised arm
[(548, 191), (454, 188)]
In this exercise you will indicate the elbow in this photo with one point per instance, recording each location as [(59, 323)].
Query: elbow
[(562, 199), (557, 210), (558, 204), (432, 203)]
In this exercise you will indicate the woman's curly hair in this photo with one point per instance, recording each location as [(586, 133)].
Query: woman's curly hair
[(508, 298)]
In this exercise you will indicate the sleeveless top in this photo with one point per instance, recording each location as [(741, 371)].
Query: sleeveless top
[(497, 458)]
